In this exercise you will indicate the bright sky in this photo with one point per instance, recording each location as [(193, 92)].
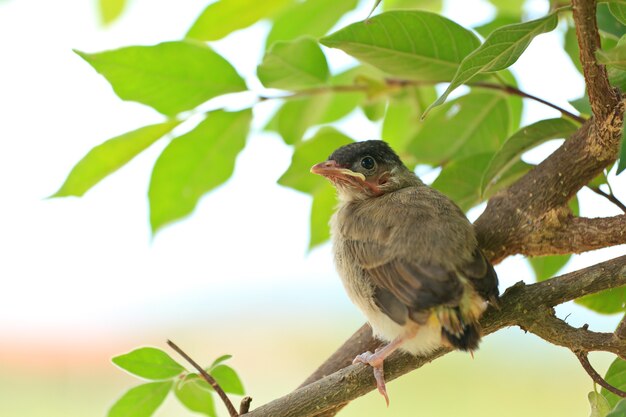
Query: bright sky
[(90, 264)]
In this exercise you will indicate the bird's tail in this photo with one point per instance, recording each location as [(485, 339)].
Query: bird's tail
[(458, 331)]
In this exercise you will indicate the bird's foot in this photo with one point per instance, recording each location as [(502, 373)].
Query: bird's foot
[(375, 360)]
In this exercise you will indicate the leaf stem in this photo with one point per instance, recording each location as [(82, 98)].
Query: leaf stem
[(609, 196), (584, 361), (392, 84), (208, 378)]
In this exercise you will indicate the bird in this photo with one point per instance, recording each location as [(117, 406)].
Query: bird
[(407, 255)]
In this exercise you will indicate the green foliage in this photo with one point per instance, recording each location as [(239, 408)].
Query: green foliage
[(190, 388), (413, 44), (170, 77), (616, 376), (606, 302), (225, 16), (501, 49), (618, 10), (619, 410), (142, 400), (622, 154), (294, 65), (546, 267), (195, 163), (110, 10), (149, 363), (526, 138), (600, 407), (313, 18), (109, 156)]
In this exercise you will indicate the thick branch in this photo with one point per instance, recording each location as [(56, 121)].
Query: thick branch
[(517, 305), (577, 234), (601, 95)]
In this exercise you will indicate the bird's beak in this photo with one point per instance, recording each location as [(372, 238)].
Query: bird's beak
[(331, 168)]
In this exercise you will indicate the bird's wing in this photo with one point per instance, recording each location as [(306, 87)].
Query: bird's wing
[(403, 286)]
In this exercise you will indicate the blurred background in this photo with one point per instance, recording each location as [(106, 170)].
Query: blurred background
[(83, 280)]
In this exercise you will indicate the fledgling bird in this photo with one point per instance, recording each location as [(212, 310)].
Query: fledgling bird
[(407, 255)]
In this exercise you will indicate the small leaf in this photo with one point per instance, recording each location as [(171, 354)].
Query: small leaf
[(546, 267), (618, 9), (616, 376), (295, 116), (571, 47), (619, 410), (219, 360), (195, 163), (501, 49), (582, 105), (600, 407), (615, 57), (309, 153), (171, 77), (323, 207), (110, 10), (407, 44), (109, 156), (226, 16), (460, 179), (294, 65), (475, 123), (195, 394), (142, 400), (374, 110), (607, 23), (526, 138), (149, 363), (313, 18), (606, 302), (228, 379)]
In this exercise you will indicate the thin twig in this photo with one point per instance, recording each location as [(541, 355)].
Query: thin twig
[(392, 84), (208, 378), (609, 196), (597, 378), (517, 92)]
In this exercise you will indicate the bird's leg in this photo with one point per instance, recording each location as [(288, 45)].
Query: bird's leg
[(376, 359)]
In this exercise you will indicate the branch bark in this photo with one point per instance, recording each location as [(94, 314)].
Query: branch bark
[(519, 306)]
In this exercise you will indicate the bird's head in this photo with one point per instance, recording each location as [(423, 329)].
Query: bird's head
[(363, 170)]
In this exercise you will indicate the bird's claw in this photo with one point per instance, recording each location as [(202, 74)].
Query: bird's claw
[(373, 360)]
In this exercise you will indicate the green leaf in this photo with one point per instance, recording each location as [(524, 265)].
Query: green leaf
[(499, 21), (228, 379), (309, 153), (607, 23), (402, 120), (411, 44), (195, 394), (313, 18), (323, 207), (619, 410), (171, 77), (149, 363), (295, 116), (374, 110), (195, 163), (510, 7), (621, 165), (430, 5), (618, 9), (600, 407), (582, 105), (460, 179), (142, 400), (571, 47), (546, 267), (526, 138), (472, 124), (501, 49), (616, 376), (110, 10), (606, 302), (109, 156), (219, 360), (615, 57), (294, 65), (226, 16)]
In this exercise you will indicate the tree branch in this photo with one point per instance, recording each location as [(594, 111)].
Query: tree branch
[(518, 306), (602, 96)]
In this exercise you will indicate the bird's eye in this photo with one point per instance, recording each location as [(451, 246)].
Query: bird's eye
[(368, 162)]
